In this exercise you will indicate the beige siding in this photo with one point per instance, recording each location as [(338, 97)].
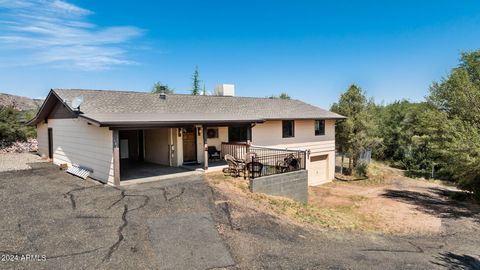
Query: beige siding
[(76, 142), (270, 134), (156, 146), (200, 145), (42, 138), (178, 152), (222, 137)]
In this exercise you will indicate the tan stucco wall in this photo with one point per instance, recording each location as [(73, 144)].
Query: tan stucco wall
[(42, 138), (222, 137), (157, 142), (200, 145), (76, 142), (270, 134)]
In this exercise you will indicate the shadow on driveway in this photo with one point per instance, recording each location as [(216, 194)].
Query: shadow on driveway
[(436, 202), (451, 260)]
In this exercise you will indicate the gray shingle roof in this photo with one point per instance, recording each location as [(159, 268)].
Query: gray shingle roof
[(109, 107)]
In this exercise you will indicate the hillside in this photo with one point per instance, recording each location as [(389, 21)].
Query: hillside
[(21, 103)]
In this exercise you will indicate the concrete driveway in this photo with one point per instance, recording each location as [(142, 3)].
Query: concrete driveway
[(76, 224)]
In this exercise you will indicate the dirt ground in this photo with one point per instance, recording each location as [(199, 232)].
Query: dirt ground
[(387, 203), (374, 206)]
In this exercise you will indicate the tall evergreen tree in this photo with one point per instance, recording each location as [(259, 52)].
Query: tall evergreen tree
[(357, 132), (196, 82)]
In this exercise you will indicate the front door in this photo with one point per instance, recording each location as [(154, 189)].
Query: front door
[(189, 145)]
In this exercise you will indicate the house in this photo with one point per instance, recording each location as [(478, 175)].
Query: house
[(107, 131)]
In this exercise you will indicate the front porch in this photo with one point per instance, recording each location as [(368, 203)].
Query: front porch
[(158, 153)]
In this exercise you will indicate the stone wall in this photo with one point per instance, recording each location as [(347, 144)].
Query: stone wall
[(293, 185)]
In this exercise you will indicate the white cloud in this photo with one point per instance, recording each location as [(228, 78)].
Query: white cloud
[(58, 33)]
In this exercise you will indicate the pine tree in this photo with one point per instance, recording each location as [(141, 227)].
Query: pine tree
[(196, 82)]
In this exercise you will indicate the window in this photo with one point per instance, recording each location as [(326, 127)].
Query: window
[(237, 134), (319, 127), (288, 128), (212, 133)]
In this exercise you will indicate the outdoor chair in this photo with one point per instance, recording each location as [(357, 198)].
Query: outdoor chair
[(289, 163), (254, 169), (235, 166), (213, 153)]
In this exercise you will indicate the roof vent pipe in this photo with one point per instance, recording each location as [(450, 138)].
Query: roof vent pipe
[(162, 95)]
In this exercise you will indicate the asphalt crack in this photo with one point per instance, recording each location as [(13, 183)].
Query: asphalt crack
[(73, 254), (168, 198), (417, 249), (115, 246), (71, 195), (121, 237)]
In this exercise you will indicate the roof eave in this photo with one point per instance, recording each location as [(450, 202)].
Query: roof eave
[(36, 119)]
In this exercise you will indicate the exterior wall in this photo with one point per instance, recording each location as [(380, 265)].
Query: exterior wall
[(200, 145), (132, 137), (156, 146), (42, 138), (178, 143), (270, 134), (222, 137), (76, 142), (293, 185)]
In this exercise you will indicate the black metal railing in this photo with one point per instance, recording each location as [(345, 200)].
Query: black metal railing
[(263, 161), (237, 149)]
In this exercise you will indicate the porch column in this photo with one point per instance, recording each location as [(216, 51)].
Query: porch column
[(205, 145), (116, 158)]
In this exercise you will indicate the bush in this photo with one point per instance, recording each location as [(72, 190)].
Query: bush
[(11, 127), (361, 169)]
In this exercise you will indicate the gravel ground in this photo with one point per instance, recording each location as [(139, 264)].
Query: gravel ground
[(18, 161)]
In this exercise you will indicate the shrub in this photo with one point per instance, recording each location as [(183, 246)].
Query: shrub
[(361, 169), (11, 127)]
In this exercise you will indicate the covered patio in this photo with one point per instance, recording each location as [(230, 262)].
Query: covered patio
[(158, 152)]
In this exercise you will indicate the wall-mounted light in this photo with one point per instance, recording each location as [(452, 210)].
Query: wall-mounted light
[(179, 132), (199, 131)]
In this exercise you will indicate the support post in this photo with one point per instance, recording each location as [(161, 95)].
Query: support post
[(205, 145), (116, 158)]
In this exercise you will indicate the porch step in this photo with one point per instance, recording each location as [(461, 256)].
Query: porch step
[(167, 180)]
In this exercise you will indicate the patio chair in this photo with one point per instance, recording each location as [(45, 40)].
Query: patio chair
[(289, 163), (254, 169), (213, 153), (235, 167)]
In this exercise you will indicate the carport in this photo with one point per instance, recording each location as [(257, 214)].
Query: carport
[(146, 154)]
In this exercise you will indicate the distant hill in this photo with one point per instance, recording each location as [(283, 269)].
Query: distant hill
[(21, 103)]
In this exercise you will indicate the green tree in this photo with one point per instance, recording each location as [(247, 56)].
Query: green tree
[(196, 82), (12, 127), (283, 95), (356, 133), (457, 136), (159, 87)]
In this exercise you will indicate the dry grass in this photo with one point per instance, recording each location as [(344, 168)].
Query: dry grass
[(342, 217), (344, 205)]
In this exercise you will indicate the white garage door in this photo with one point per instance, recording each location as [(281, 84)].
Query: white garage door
[(317, 171)]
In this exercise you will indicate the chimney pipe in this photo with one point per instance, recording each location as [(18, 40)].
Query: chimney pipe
[(162, 95)]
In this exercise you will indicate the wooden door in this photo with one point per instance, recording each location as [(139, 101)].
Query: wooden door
[(189, 145)]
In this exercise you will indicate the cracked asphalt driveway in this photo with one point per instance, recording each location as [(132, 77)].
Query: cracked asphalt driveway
[(80, 224)]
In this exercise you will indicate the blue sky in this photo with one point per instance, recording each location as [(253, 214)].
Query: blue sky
[(312, 50)]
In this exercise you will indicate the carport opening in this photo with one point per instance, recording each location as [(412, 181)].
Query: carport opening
[(145, 154)]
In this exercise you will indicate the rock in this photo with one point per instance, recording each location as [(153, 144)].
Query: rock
[(31, 145)]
